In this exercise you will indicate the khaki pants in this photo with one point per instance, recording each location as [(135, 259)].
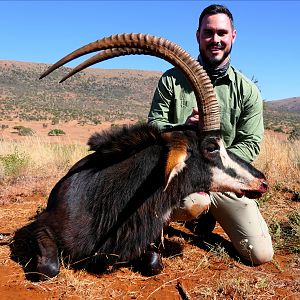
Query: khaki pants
[(239, 217)]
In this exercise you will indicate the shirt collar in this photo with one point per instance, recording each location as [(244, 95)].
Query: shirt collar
[(229, 76)]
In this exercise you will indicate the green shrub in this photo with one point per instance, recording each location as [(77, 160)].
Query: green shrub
[(14, 163), (23, 131), (55, 121), (18, 127), (294, 135), (286, 235), (294, 220), (96, 121), (278, 129), (56, 132), (296, 196)]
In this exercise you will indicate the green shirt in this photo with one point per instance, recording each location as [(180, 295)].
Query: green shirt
[(241, 108)]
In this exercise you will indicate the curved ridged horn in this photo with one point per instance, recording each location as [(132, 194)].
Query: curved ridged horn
[(104, 55), (126, 44)]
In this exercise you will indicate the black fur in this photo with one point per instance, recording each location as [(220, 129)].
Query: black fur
[(111, 203)]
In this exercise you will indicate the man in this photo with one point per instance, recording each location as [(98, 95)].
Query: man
[(241, 128)]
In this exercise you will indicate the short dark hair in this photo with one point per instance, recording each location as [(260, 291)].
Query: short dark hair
[(213, 10)]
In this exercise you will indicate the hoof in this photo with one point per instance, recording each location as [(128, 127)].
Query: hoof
[(203, 226), (151, 263), (47, 268)]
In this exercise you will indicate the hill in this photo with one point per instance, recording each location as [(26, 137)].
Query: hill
[(97, 95), (94, 95), (283, 115), (290, 104)]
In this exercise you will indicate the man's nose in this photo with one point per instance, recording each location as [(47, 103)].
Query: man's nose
[(216, 38)]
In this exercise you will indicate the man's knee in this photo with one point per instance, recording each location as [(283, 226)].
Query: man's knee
[(242, 221), (256, 250), (192, 207)]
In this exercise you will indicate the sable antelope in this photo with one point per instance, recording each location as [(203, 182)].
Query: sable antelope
[(114, 202)]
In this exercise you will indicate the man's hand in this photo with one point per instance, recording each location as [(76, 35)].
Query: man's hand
[(193, 118)]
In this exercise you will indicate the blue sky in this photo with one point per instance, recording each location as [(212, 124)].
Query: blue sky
[(267, 45)]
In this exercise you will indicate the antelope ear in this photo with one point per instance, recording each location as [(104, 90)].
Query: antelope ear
[(175, 163)]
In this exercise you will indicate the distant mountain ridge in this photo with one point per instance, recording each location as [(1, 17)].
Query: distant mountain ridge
[(96, 95), (282, 115), (93, 95), (289, 104)]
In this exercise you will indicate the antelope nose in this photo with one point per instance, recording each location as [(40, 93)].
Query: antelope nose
[(264, 185)]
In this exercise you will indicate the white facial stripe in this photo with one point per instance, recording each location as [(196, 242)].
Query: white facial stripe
[(226, 160), (229, 163), (222, 182)]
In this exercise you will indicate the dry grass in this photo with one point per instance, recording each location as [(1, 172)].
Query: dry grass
[(35, 164), (44, 155), (203, 274), (280, 160)]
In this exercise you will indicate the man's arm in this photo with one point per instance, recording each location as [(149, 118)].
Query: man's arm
[(160, 113), (173, 100), (250, 127)]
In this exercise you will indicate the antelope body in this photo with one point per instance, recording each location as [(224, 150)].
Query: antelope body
[(114, 202)]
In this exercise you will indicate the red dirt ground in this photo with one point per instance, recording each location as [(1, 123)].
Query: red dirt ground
[(191, 270)]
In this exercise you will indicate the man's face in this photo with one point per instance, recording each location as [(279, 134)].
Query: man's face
[(215, 38)]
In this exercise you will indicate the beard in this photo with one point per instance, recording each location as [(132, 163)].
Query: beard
[(214, 62)]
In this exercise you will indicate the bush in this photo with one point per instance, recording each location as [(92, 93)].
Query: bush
[(278, 129), (24, 131), (55, 121), (96, 121), (56, 132), (294, 135), (286, 234), (14, 163)]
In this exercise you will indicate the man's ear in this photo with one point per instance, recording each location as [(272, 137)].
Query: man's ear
[(198, 36), (233, 36), (177, 156)]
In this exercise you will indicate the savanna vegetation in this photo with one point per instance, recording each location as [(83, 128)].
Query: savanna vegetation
[(89, 97)]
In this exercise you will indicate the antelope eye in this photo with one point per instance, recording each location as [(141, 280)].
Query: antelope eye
[(189, 150), (212, 147)]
